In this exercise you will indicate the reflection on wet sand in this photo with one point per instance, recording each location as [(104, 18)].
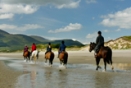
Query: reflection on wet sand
[(33, 77), (75, 76), (123, 66), (103, 80), (63, 79)]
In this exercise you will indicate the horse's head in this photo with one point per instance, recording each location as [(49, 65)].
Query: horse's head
[(92, 46)]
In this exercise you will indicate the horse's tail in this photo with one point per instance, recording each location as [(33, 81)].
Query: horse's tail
[(66, 58), (109, 56), (52, 55)]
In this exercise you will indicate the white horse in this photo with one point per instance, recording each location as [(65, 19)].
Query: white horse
[(35, 55)]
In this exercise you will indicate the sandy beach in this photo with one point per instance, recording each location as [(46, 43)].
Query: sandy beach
[(9, 77)]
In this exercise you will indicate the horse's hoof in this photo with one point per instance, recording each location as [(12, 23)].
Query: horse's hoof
[(60, 70), (24, 60), (50, 65), (104, 70), (99, 67)]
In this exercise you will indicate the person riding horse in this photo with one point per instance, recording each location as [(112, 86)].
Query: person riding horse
[(101, 51), (25, 49), (62, 54), (26, 53), (33, 47), (62, 47), (49, 48), (99, 43), (49, 55)]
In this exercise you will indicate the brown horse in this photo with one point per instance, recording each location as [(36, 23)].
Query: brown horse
[(27, 55), (63, 57), (105, 52), (49, 56)]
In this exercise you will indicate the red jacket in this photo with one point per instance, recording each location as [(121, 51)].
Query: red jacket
[(33, 47)]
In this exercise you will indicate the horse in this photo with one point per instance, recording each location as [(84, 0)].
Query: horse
[(27, 55), (63, 57), (49, 56), (104, 52), (34, 55)]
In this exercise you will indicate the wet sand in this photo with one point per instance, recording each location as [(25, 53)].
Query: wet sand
[(8, 77), (78, 74)]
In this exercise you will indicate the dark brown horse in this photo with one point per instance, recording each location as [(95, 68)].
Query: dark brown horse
[(49, 56), (105, 53), (63, 57), (27, 55)]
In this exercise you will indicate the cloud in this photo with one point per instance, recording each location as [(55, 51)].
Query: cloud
[(12, 7), (106, 30), (90, 36), (90, 1), (19, 28), (70, 5), (7, 11), (17, 9), (56, 3), (70, 27), (120, 19), (6, 16), (118, 30)]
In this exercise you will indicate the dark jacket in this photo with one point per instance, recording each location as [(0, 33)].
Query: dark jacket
[(100, 40), (99, 43), (49, 48)]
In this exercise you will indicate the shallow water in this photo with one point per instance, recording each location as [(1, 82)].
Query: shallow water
[(75, 76)]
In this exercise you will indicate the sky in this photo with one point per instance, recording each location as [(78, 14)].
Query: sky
[(67, 19)]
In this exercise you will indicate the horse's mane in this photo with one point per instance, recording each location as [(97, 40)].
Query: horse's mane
[(93, 43)]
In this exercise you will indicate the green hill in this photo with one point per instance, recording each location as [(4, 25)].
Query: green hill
[(13, 42), (41, 39)]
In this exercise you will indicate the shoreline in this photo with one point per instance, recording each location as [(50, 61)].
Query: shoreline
[(76, 56)]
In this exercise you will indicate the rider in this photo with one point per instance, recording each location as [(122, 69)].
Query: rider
[(49, 48), (33, 47), (25, 49), (62, 47), (99, 42)]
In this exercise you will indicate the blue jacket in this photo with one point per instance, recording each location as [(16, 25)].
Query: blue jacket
[(62, 47)]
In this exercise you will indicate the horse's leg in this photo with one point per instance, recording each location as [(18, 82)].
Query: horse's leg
[(35, 59), (45, 60), (26, 59), (61, 62), (51, 60), (29, 58), (111, 64), (65, 59), (32, 58), (97, 63), (104, 64)]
